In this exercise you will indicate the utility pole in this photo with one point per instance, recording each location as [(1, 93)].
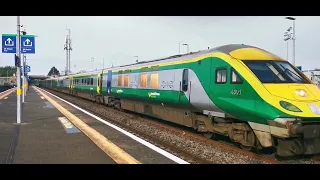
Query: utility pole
[(68, 48), (18, 72)]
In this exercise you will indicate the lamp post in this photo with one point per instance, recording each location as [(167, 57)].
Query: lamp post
[(293, 38), (287, 37)]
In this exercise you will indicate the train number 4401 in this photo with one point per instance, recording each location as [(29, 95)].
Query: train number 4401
[(236, 92)]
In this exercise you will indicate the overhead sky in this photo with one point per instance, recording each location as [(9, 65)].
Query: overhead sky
[(118, 39)]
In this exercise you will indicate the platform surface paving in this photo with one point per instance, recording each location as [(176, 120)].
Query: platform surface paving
[(41, 138), (45, 136)]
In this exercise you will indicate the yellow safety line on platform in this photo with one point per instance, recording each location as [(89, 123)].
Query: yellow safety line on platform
[(113, 151), (6, 94)]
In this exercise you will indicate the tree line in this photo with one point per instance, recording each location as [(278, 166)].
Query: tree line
[(7, 71), (10, 70)]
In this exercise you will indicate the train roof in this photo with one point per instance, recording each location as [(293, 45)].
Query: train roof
[(226, 49)]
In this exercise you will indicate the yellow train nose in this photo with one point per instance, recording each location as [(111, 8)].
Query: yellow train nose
[(296, 92)]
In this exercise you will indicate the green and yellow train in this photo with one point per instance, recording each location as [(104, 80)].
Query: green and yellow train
[(254, 97)]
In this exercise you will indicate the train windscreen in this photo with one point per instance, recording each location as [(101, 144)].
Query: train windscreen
[(275, 72)]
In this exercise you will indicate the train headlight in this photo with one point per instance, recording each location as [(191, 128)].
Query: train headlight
[(301, 92), (290, 107)]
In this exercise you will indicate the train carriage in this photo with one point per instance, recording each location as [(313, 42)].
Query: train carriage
[(254, 97)]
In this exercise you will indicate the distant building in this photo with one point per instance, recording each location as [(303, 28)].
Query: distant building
[(313, 75)]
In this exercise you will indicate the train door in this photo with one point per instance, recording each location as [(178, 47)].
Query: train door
[(70, 83), (185, 84), (99, 83), (109, 82)]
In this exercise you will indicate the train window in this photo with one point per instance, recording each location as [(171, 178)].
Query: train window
[(235, 77), (88, 81), (126, 80), (221, 76), (185, 80), (143, 80), (154, 81), (91, 81), (119, 80)]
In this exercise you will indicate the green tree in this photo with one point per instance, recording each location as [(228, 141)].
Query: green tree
[(7, 71), (54, 71)]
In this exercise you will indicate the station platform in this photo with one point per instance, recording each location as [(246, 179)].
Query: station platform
[(54, 132)]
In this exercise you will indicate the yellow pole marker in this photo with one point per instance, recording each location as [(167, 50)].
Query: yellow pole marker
[(18, 91), (113, 151)]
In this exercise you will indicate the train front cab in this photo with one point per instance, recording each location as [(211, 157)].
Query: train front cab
[(286, 101), (298, 126)]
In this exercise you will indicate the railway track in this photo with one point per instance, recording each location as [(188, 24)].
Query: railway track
[(178, 151)]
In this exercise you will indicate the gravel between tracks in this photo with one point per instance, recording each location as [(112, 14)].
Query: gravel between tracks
[(213, 154)]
